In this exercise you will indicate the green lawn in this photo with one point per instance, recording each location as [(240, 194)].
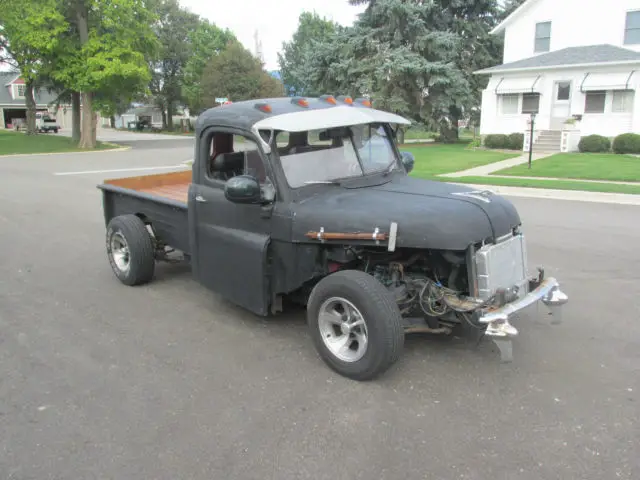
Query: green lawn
[(12, 143), (549, 184), (437, 159), (586, 166)]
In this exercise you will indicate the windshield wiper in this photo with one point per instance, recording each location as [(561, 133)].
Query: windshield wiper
[(322, 182)]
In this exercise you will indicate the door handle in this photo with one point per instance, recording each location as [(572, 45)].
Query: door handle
[(200, 198)]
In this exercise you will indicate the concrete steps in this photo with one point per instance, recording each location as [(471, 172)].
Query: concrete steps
[(548, 141)]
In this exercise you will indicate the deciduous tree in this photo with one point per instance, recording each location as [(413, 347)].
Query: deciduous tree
[(236, 74), (29, 36), (106, 51), (207, 41), (173, 27)]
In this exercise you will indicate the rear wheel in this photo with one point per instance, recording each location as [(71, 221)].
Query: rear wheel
[(130, 250), (355, 324)]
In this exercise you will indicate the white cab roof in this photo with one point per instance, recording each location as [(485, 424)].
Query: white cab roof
[(340, 116)]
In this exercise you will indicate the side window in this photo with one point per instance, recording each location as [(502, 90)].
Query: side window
[(231, 155)]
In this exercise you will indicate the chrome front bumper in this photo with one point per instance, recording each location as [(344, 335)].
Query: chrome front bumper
[(497, 320)]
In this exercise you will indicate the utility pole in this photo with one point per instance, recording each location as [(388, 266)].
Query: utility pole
[(258, 46)]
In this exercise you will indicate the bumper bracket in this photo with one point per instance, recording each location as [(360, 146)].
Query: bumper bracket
[(497, 320)]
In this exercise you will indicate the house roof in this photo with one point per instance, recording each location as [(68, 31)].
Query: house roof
[(42, 96), (571, 57), (516, 13)]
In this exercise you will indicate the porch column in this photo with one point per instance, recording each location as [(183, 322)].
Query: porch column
[(635, 115), (2, 118)]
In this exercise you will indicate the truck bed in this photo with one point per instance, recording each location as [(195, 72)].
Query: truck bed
[(173, 185), (161, 199)]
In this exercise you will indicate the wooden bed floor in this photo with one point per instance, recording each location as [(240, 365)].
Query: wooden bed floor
[(178, 192)]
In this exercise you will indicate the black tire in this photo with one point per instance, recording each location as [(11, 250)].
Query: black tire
[(55, 130), (381, 314), (141, 253)]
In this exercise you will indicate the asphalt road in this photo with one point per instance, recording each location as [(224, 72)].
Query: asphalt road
[(167, 381)]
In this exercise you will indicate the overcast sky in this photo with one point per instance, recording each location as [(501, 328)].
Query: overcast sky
[(275, 20)]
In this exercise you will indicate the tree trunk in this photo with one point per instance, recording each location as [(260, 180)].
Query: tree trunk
[(75, 116), (88, 135), (112, 121), (164, 119), (31, 108), (170, 114)]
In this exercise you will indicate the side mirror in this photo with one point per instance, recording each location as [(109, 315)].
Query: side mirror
[(408, 160), (243, 189)]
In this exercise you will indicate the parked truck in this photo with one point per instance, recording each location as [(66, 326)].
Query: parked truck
[(46, 123), (309, 200)]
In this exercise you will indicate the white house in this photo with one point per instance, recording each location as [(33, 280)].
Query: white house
[(566, 59)]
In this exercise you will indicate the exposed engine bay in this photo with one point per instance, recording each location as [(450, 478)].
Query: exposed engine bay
[(431, 288)]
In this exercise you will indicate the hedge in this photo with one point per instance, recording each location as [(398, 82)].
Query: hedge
[(594, 144), (513, 141), (627, 143)]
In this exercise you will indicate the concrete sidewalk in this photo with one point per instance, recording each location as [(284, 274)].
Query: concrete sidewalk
[(572, 195), (612, 182), (483, 170)]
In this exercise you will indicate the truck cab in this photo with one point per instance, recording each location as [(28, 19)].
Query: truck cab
[(311, 200)]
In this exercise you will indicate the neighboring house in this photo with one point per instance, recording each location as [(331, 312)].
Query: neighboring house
[(151, 114), (574, 59), (13, 105)]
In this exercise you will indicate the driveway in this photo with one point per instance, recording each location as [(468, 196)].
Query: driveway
[(166, 381)]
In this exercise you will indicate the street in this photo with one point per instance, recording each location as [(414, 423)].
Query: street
[(167, 381)]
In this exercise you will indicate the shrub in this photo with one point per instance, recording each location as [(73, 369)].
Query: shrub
[(594, 144), (475, 143), (495, 141), (627, 143), (515, 141)]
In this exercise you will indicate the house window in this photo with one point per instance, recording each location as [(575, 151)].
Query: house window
[(530, 102), (20, 90), (543, 37), (509, 104), (622, 101), (632, 28), (564, 91), (594, 102)]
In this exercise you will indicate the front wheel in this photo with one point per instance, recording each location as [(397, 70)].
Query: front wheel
[(355, 324)]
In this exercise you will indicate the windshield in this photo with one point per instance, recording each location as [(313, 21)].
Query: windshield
[(319, 156)]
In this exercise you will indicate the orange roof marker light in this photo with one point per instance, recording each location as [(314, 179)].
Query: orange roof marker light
[(302, 102), (346, 99), (263, 107), (365, 102), (329, 99)]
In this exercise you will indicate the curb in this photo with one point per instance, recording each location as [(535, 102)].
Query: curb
[(117, 148)]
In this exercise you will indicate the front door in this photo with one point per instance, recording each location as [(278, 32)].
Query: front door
[(230, 240), (561, 106)]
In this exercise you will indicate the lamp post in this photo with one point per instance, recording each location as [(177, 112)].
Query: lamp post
[(533, 121)]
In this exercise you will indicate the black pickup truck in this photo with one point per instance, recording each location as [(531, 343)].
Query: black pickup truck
[(309, 200)]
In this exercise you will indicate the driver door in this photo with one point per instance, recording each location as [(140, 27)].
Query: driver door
[(230, 240)]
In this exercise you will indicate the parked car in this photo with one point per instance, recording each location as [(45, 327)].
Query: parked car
[(46, 123), (310, 200)]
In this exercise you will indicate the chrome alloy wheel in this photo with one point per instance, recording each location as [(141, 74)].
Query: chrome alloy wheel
[(120, 252), (343, 329)]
